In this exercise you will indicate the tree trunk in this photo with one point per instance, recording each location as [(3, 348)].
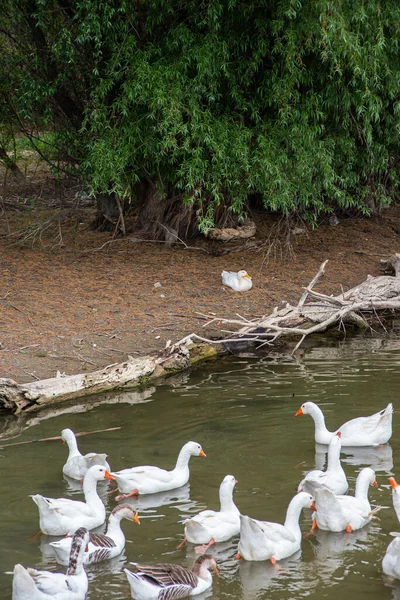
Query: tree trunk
[(12, 165), (108, 213)]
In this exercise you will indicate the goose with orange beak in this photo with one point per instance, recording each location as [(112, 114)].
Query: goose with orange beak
[(150, 480), (345, 513), (239, 282), (101, 546), (395, 496), (362, 431), (263, 540), (63, 516)]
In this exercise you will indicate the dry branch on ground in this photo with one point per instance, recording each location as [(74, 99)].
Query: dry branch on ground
[(314, 312)]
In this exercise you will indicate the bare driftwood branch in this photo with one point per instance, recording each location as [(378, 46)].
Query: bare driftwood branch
[(312, 283), (315, 312)]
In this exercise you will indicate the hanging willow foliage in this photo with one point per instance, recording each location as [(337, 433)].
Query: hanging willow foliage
[(293, 102)]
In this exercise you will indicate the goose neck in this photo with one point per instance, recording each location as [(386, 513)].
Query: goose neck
[(114, 524), (183, 459), (319, 420), (333, 457), (362, 485), (201, 570), (72, 447), (226, 500), (293, 517), (90, 489)]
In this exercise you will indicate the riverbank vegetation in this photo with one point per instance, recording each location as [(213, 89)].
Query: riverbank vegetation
[(190, 113)]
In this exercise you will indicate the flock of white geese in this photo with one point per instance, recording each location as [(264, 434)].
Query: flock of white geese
[(324, 492)]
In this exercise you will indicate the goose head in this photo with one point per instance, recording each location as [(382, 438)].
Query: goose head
[(125, 511), (97, 473), (194, 449), (67, 435), (228, 483), (243, 275), (308, 408), (203, 564)]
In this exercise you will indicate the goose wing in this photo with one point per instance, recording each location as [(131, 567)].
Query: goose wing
[(62, 506), (276, 532), (50, 583), (166, 574), (137, 473), (367, 425)]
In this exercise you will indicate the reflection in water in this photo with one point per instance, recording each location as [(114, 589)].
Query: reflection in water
[(395, 586), (379, 458), (179, 498), (12, 426), (223, 552), (330, 548)]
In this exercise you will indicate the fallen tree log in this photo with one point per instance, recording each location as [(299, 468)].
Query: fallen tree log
[(315, 312)]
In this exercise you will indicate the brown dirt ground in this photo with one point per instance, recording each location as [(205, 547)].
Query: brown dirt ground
[(66, 305)]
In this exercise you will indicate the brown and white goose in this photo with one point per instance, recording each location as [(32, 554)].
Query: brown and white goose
[(102, 546), (168, 582), (30, 584)]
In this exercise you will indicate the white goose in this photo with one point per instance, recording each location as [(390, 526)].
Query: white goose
[(102, 546), (63, 516), (334, 478), (391, 560), (362, 431), (210, 526), (30, 584), (263, 540), (150, 480), (345, 513), (77, 464), (240, 281), (395, 496), (168, 582)]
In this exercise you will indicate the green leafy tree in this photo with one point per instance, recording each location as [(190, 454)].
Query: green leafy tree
[(185, 109)]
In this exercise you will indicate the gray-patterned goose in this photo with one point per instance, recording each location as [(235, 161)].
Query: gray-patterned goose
[(168, 582), (30, 584), (101, 546)]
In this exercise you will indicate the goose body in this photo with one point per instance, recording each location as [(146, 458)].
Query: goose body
[(169, 582), (345, 513), (30, 584), (334, 478), (391, 560), (77, 464), (218, 526), (61, 516), (240, 281), (362, 431), (101, 546), (263, 540), (395, 496), (150, 480)]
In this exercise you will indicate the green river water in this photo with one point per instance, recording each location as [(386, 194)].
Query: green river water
[(242, 412)]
